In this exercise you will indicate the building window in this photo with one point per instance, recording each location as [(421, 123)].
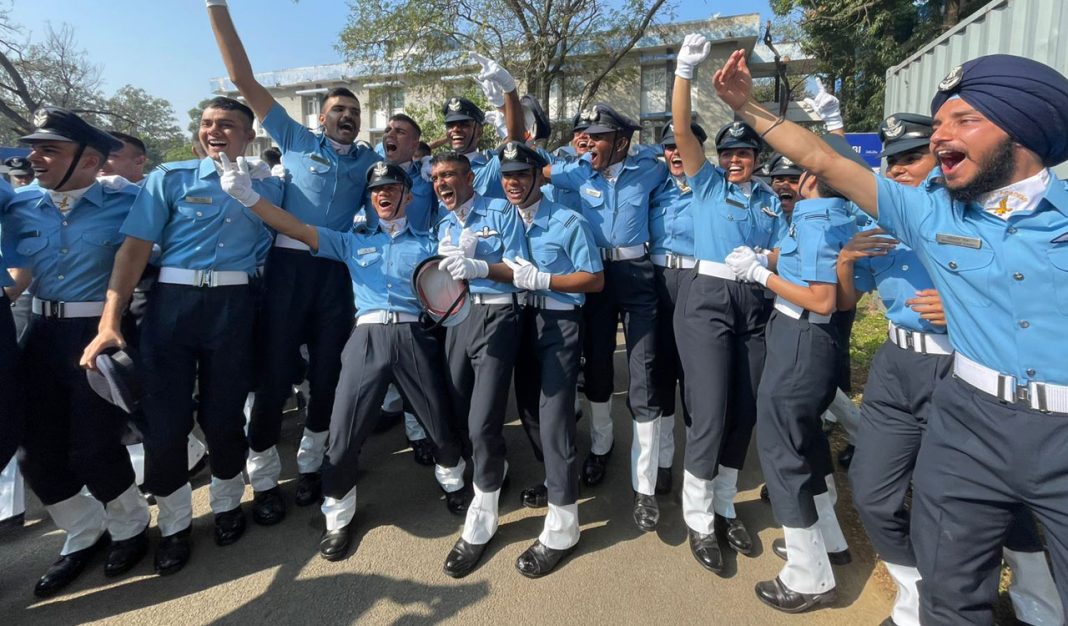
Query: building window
[(654, 89), (385, 103)]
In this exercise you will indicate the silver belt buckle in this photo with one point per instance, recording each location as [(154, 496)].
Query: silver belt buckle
[(391, 317), (1037, 393), (673, 262), (54, 310), (202, 278)]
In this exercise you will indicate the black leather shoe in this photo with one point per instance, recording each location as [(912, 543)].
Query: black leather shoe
[(764, 494), (268, 507), (334, 545), (388, 420), (457, 501), (845, 457), (663, 481), (309, 489), (734, 532), (778, 596), (64, 571), (535, 497), (173, 552), (422, 451), (646, 512), (705, 549), (463, 558), (229, 526), (594, 468), (538, 560), (836, 558), (124, 555)]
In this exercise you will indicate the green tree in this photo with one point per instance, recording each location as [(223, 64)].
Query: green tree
[(880, 35), (132, 110)]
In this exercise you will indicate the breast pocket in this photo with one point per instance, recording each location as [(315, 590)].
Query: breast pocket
[(968, 271), (489, 248), (592, 197), (314, 172), (198, 212), (1058, 258), (551, 260), (31, 245), (368, 259), (106, 237)]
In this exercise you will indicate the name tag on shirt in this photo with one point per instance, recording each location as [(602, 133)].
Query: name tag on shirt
[(318, 159), (592, 192), (197, 200), (734, 202), (958, 240), (362, 251)]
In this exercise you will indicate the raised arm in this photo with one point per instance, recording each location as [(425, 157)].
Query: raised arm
[(693, 51), (236, 60), (236, 181), (734, 85)]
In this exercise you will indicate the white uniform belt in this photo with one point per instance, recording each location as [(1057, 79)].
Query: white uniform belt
[(718, 270), (625, 253), (784, 306), (519, 298), (202, 278), (674, 261), (385, 317), (52, 308), (282, 241), (916, 341), (539, 301), (1044, 397)]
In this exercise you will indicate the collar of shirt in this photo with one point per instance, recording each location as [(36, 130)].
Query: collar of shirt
[(393, 227), (529, 213), (746, 188), (680, 182), (1024, 195), (65, 200), (209, 166), (611, 173), (338, 147), (461, 212)]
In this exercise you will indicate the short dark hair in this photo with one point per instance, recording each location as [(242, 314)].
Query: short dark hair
[(273, 156), (340, 91), (400, 117), (452, 157), (129, 139), (229, 104), (424, 149), (826, 191)]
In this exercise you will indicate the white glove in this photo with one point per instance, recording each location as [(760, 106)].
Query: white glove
[(278, 170), (462, 268), (425, 167), (525, 275), (215, 3), (113, 182), (491, 70), (827, 107), (497, 119), (746, 266), (468, 242), (693, 51), (236, 181), (260, 171), (493, 92)]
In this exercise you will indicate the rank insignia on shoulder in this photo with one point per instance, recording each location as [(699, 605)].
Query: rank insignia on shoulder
[(958, 240), (1061, 238), (769, 212), (362, 251), (197, 199), (570, 221)]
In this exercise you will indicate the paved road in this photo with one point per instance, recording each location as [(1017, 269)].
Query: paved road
[(274, 575)]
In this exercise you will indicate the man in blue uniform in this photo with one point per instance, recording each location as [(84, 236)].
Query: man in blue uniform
[(615, 184), (560, 264), (671, 250), (197, 330), (719, 319), (388, 345), (991, 227), (63, 235), (20, 171), (308, 299)]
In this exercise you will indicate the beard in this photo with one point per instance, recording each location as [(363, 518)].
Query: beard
[(995, 172)]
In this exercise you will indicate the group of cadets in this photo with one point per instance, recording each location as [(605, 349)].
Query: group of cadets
[(727, 289)]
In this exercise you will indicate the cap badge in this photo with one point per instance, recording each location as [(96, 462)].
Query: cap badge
[(454, 104), (786, 162), (589, 115), (952, 79), (40, 118), (736, 130), (511, 152), (381, 169), (894, 128)]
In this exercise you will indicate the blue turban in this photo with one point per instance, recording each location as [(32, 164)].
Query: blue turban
[(1025, 98)]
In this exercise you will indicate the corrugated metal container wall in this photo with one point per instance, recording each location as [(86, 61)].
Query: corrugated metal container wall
[(1028, 28)]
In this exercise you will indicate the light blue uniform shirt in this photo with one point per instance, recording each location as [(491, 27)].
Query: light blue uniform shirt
[(671, 219), (818, 229), (724, 218), (487, 170), (381, 266), (1004, 283), (197, 225), (6, 193), (322, 187), (619, 213), (423, 209), (567, 197), (71, 256), (897, 276), (499, 229), (560, 241)]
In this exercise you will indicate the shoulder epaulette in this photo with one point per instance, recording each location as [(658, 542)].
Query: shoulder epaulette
[(191, 164)]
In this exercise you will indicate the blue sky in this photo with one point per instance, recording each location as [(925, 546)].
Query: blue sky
[(166, 46)]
